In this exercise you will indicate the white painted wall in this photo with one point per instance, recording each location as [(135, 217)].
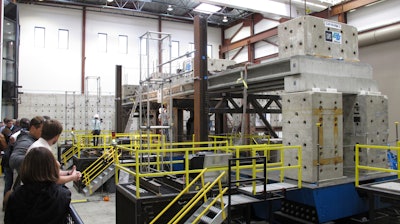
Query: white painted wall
[(376, 15), (51, 70)]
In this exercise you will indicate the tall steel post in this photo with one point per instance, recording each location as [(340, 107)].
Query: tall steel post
[(200, 79)]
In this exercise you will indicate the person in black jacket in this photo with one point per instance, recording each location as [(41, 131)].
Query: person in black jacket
[(8, 172), (24, 140), (39, 199)]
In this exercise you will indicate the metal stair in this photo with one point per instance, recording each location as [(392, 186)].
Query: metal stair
[(212, 216), (99, 180), (128, 127)]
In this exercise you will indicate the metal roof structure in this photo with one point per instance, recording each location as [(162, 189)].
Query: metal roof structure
[(185, 10)]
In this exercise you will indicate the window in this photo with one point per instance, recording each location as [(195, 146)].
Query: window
[(102, 42), (63, 39), (39, 37), (174, 49), (209, 50), (123, 44), (191, 48)]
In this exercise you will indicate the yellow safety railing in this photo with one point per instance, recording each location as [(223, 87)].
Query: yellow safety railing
[(359, 167), (202, 194), (212, 203), (230, 138), (139, 163), (98, 166), (83, 141), (271, 166), (141, 160), (184, 191), (68, 154)]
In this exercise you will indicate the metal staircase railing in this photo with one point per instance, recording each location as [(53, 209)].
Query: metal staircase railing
[(132, 113), (202, 213), (68, 154), (209, 213), (103, 165)]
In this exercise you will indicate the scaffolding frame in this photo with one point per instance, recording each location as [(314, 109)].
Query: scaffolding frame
[(87, 99), (146, 80), (67, 107)]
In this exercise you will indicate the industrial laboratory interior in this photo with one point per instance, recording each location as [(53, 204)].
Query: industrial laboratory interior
[(203, 111)]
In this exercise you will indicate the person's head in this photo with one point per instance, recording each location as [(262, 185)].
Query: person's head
[(96, 116), (51, 130), (35, 126), (38, 166), (8, 122), (24, 123), (17, 122)]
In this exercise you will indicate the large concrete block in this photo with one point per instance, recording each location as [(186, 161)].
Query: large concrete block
[(308, 35), (301, 112), (365, 122)]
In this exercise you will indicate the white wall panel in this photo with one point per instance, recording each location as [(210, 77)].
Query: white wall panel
[(49, 68), (232, 30), (102, 64), (244, 33), (377, 15), (61, 68), (264, 25), (262, 49), (242, 56)]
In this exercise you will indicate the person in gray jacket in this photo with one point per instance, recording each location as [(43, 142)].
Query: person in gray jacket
[(24, 140)]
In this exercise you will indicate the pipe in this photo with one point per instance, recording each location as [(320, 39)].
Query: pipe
[(380, 35)]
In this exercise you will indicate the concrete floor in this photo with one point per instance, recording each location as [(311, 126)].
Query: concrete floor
[(94, 210)]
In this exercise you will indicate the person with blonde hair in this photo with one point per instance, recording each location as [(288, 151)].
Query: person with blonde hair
[(40, 199)]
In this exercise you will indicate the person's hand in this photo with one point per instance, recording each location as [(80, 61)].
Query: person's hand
[(75, 174)]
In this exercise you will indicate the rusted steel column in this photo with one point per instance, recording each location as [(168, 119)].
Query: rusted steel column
[(83, 51), (200, 79), (118, 100)]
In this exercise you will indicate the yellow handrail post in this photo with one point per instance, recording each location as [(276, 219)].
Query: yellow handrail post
[(187, 167), (300, 174), (398, 159), (282, 155), (254, 170), (398, 145), (116, 161), (137, 177), (79, 146), (357, 164), (237, 165)]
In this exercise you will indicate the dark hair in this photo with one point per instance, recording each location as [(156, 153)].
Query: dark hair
[(36, 121), (39, 165), (24, 123), (6, 120), (51, 128)]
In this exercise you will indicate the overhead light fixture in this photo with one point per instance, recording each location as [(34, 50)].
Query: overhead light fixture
[(207, 8), (225, 19), (110, 0), (170, 8)]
